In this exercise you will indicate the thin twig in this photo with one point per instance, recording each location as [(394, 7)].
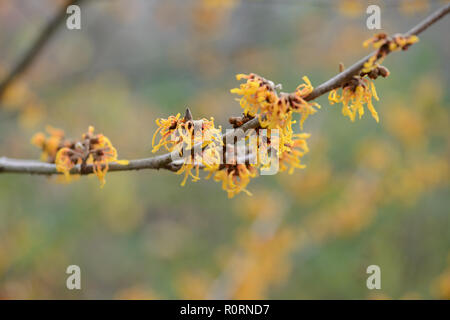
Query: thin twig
[(30, 55), (165, 161), (342, 77)]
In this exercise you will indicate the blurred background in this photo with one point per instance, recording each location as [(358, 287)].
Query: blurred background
[(371, 193)]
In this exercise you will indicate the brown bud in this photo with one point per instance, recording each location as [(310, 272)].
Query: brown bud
[(383, 71), (373, 74)]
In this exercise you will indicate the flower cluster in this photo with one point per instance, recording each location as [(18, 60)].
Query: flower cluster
[(93, 149), (183, 135), (384, 45), (357, 92), (260, 98)]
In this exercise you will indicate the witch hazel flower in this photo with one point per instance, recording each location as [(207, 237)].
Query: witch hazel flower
[(92, 149), (259, 97), (385, 45), (359, 92)]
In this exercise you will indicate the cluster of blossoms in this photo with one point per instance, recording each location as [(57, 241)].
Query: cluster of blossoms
[(194, 141), (357, 92), (199, 144), (93, 149), (260, 98), (384, 45)]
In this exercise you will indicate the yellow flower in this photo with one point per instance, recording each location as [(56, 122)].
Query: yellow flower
[(384, 46), (257, 93), (299, 105), (377, 40), (101, 153), (165, 128), (370, 64), (235, 178), (292, 147), (211, 159), (187, 169), (185, 133), (259, 98), (182, 135), (65, 160), (353, 98), (93, 149)]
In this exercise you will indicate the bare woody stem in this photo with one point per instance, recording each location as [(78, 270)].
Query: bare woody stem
[(31, 54), (165, 161)]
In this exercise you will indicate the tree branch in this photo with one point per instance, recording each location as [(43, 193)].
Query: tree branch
[(165, 161), (30, 55), (342, 77), (43, 168)]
